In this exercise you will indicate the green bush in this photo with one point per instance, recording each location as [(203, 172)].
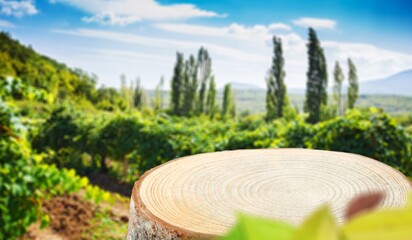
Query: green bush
[(370, 133), (24, 182), (294, 134)]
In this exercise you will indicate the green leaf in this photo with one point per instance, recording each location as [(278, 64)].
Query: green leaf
[(255, 228), (318, 226), (44, 221), (381, 225)]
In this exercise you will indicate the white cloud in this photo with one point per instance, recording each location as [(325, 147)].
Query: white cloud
[(317, 23), (18, 8), (372, 62), (234, 30), (122, 12), (109, 18), (239, 53), (176, 45), (6, 24), (279, 26)]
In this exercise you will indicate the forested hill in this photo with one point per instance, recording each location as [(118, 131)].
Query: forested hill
[(42, 72)]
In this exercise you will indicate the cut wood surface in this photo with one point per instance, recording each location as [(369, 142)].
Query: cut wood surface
[(198, 196)]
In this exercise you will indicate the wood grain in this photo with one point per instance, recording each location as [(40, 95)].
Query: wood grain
[(198, 196)]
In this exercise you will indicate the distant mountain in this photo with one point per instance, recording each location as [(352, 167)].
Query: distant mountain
[(398, 84), (245, 86)]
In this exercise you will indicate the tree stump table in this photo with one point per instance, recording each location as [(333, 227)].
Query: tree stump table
[(198, 196)]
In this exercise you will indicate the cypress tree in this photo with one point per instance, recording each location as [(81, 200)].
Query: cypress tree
[(337, 87), (138, 95), (271, 100), (177, 82), (158, 101), (191, 84), (233, 105), (204, 67), (353, 89), (186, 89), (228, 107), (316, 85), (211, 98), (276, 94)]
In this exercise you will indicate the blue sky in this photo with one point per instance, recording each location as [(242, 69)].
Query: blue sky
[(140, 37)]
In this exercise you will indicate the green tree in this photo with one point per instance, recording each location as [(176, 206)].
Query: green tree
[(138, 96), (158, 101), (211, 106), (353, 89), (337, 87), (317, 79), (270, 98), (127, 92), (177, 82), (189, 86), (228, 105), (204, 67), (109, 99), (276, 92), (121, 137)]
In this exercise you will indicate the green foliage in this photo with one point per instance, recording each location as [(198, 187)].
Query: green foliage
[(295, 134), (189, 87), (337, 88), (276, 88), (320, 225), (353, 89), (255, 228), (109, 99), (317, 79), (24, 181), (42, 72), (371, 133), (228, 104), (15, 88), (139, 96), (204, 67), (211, 105)]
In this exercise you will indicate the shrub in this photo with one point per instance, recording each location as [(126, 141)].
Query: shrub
[(370, 133)]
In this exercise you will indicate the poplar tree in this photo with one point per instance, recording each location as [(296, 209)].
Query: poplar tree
[(276, 88), (186, 89), (353, 89), (177, 82), (204, 67), (211, 107), (138, 95), (190, 86), (317, 79), (270, 98), (337, 87), (158, 101), (228, 105)]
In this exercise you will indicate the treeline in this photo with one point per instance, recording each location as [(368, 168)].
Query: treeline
[(316, 102), (193, 88)]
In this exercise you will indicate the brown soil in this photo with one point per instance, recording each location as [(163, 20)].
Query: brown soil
[(35, 233), (69, 215)]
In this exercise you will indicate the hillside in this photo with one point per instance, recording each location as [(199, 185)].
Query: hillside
[(42, 72), (397, 84)]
